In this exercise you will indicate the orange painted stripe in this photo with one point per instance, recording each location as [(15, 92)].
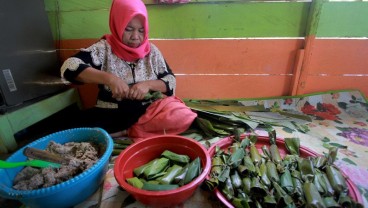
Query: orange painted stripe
[(320, 83), (216, 87), (339, 56), (228, 56), (220, 56), (254, 68)]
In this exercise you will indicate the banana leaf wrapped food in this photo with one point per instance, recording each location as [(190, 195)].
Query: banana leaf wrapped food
[(166, 172), (292, 181)]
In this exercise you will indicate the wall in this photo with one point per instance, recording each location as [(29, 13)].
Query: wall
[(237, 49)]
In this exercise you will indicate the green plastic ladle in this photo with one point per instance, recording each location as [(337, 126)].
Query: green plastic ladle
[(33, 163)]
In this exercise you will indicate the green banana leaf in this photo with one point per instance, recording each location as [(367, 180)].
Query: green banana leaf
[(135, 182), (194, 170), (174, 157), (292, 145)]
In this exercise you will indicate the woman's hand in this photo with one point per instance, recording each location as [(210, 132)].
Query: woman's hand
[(118, 87), (138, 91)]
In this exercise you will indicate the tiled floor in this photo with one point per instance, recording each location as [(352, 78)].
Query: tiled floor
[(47, 126)]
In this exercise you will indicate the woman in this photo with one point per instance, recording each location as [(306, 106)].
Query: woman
[(125, 65)]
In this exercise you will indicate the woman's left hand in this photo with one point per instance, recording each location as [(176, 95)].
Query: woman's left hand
[(138, 91)]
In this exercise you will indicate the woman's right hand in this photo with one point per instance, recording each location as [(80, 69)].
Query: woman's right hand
[(118, 87)]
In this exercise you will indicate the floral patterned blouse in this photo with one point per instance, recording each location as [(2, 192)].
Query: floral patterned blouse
[(100, 56)]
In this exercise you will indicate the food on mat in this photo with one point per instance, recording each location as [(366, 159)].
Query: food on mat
[(81, 156), (167, 172)]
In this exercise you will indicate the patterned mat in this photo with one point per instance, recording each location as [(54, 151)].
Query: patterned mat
[(337, 118)]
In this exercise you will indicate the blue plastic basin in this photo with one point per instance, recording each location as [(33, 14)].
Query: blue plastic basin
[(70, 192)]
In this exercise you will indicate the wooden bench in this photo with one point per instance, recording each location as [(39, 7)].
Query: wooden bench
[(20, 119)]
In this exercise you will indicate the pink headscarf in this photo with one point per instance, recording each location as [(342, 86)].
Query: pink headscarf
[(121, 13)]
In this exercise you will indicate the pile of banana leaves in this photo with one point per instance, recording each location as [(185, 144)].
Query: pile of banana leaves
[(247, 178), (169, 171), (221, 118)]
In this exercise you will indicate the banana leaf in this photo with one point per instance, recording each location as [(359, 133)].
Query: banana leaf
[(269, 201), (246, 181), (236, 180), (298, 116), (234, 147), (194, 135), (247, 167), (254, 154), (326, 185), (257, 204), (300, 127), (266, 152), (151, 182), (232, 117), (211, 183), (237, 132), (208, 129), (271, 135), (346, 201), (116, 152), (320, 162), (306, 169), (290, 162), (174, 157), (222, 106), (330, 202), (224, 174), (275, 154), (207, 143), (257, 189), (222, 118), (194, 170), (124, 141), (179, 178), (243, 118), (271, 118), (286, 181), (153, 95), (135, 182), (273, 149), (283, 199), (263, 175), (272, 173), (312, 196), (298, 194), (120, 146), (332, 153), (292, 145), (246, 201), (228, 189), (140, 170), (240, 203), (245, 143), (156, 167), (217, 165), (158, 175), (171, 172), (336, 180), (318, 180), (159, 187), (236, 157)]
